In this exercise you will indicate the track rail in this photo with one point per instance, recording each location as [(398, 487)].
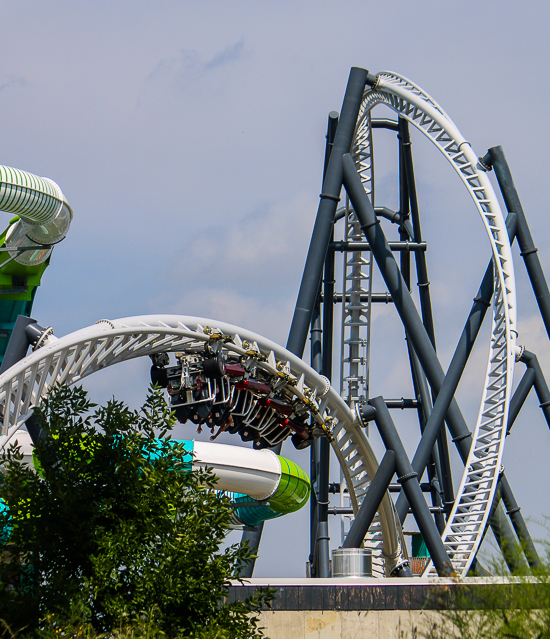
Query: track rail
[(74, 357), (468, 518)]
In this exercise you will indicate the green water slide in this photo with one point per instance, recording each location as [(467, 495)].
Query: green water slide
[(43, 217)]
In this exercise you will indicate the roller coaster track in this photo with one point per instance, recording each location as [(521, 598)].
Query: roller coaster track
[(78, 355), (75, 356), (467, 521)]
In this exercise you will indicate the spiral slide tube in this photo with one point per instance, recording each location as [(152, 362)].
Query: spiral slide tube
[(45, 215), (42, 219), (265, 485), (278, 484)]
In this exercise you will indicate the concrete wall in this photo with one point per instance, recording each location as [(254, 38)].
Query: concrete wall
[(369, 608), (345, 624)]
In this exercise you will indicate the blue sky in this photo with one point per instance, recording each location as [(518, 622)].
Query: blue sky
[(188, 138)]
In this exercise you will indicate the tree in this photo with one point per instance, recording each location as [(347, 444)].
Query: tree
[(117, 527)]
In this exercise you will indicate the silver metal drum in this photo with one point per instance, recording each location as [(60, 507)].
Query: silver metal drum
[(351, 562)]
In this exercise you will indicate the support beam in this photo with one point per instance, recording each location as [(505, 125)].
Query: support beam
[(495, 157), (520, 395), (324, 222), (321, 550), (514, 512), (541, 387), (19, 343), (409, 480), (406, 308), (321, 361), (405, 245)]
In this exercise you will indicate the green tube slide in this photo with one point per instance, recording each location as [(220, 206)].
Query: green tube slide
[(270, 485), (291, 494), (43, 217)]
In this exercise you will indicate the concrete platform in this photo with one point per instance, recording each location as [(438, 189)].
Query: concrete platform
[(359, 608)]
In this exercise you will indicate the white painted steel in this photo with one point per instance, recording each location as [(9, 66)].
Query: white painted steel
[(468, 518), (75, 356), (255, 473)]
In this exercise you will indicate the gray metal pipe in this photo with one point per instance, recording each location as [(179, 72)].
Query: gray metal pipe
[(321, 552), (19, 343), (408, 314), (421, 390), (513, 511), (384, 123), (405, 245), (507, 542), (330, 196), (520, 395), (323, 365), (409, 480), (541, 387), (445, 396), (375, 298), (444, 471), (25, 332), (525, 240)]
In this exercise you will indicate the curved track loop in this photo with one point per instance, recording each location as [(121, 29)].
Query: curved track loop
[(77, 355), (468, 518)]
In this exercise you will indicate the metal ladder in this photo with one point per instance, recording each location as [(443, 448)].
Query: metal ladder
[(355, 337)]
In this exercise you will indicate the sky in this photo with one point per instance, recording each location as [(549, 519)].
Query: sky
[(189, 138)]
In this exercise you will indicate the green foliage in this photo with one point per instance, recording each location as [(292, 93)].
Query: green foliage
[(117, 535), (499, 607)]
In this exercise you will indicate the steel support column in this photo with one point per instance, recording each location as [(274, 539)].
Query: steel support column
[(410, 482), (541, 387), (324, 221), (405, 306), (495, 157)]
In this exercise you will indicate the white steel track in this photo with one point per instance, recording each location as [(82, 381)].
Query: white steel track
[(468, 518), (75, 356)]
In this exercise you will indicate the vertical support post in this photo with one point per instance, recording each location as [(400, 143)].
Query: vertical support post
[(18, 344), (513, 511), (424, 410), (404, 210), (21, 338), (441, 469), (541, 387), (513, 562), (320, 451), (525, 240), (520, 395), (505, 540), (320, 552)]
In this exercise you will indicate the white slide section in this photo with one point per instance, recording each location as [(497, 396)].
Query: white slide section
[(255, 473)]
